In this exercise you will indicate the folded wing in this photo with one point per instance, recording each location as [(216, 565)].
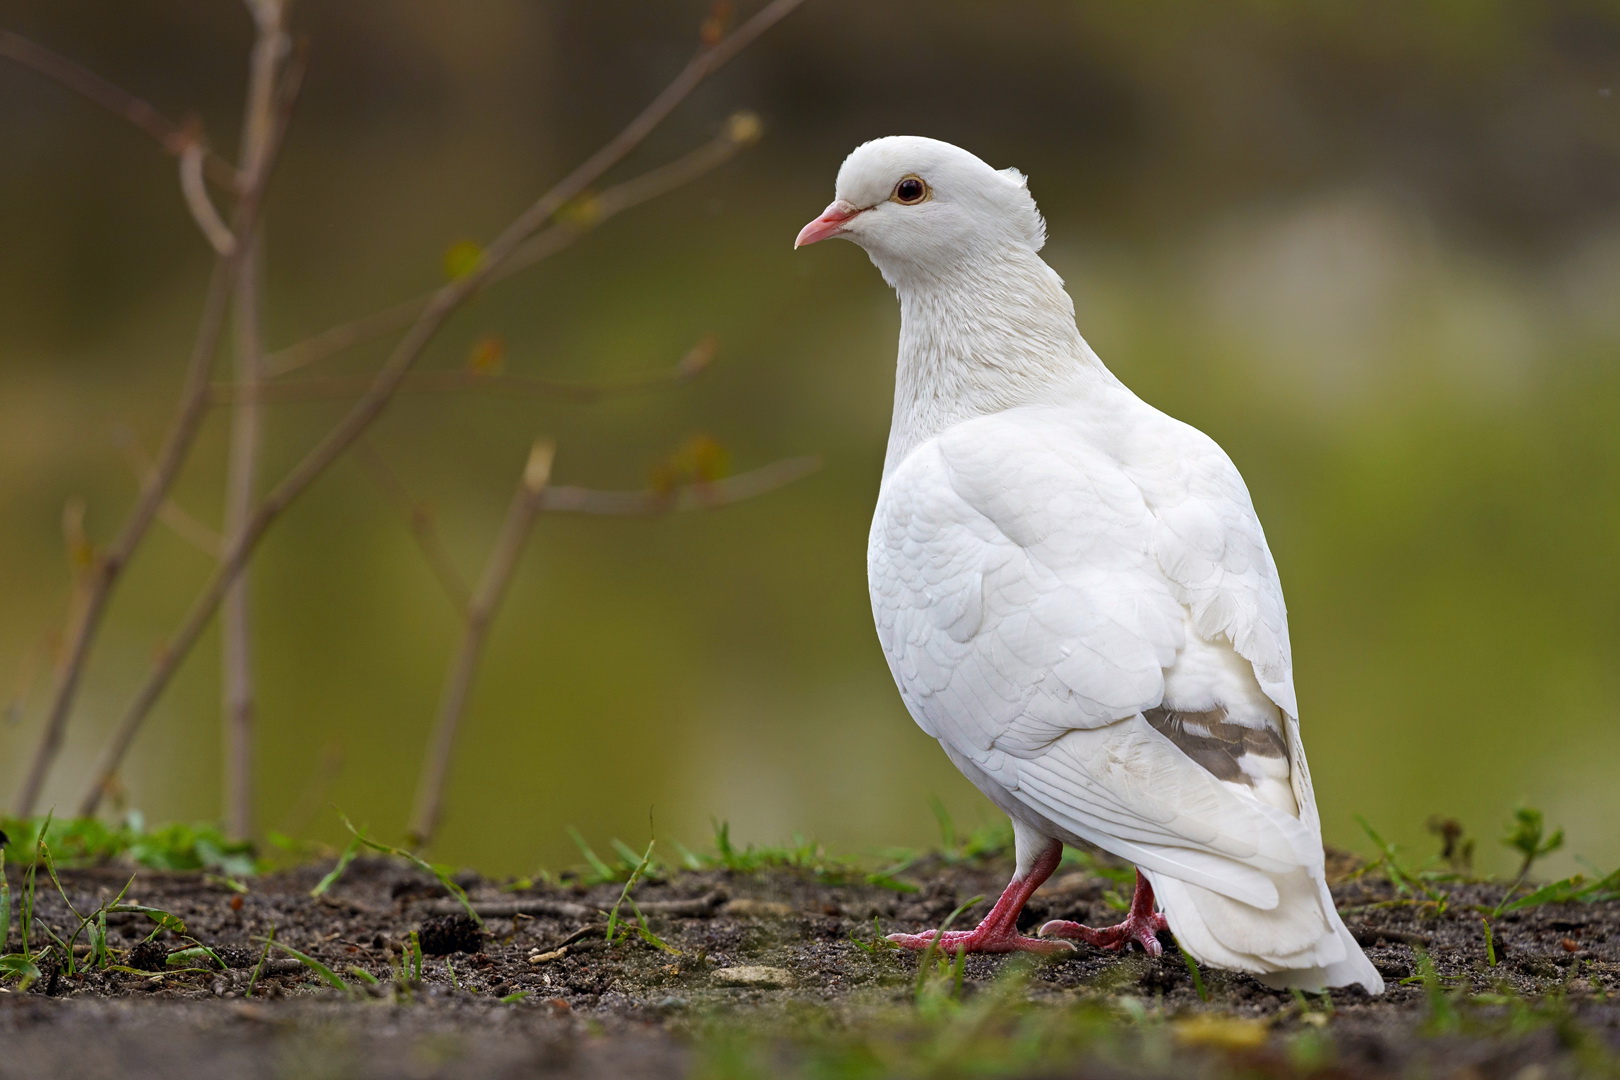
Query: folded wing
[(1091, 623)]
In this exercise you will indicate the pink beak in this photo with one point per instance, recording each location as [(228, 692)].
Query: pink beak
[(830, 223)]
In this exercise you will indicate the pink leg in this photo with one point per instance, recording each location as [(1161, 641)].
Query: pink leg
[(1141, 926), (998, 932)]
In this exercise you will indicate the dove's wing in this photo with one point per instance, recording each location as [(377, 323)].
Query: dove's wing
[(1085, 611)]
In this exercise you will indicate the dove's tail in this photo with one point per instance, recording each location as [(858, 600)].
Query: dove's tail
[(1301, 943)]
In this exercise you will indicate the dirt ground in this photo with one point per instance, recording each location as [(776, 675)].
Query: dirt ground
[(773, 973)]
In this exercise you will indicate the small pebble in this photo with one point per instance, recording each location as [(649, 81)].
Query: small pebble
[(753, 977), (747, 908)]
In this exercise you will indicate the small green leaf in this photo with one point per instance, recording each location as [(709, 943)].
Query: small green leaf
[(462, 258), (19, 967), (1554, 892), (1527, 834), (164, 920)]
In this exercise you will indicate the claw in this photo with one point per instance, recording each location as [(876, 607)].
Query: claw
[(1141, 927)]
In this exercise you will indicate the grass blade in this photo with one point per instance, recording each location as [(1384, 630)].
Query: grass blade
[(416, 860), (337, 871), (326, 973), (258, 969), (601, 870), (630, 883), (5, 903), (1197, 975)]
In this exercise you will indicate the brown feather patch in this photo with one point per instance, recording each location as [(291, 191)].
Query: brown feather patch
[(1215, 742)]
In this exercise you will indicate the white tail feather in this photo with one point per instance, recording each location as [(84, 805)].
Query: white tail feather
[(1301, 943)]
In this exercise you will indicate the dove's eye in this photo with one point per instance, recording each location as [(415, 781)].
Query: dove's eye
[(911, 190)]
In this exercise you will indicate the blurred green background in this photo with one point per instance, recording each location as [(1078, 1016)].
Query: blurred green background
[(1372, 248)]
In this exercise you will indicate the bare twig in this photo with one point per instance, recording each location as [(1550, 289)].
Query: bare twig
[(420, 519), (741, 129), (238, 704), (201, 206), (534, 495), (480, 614), (696, 361), (182, 434), (171, 136), (695, 908), (652, 502), (445, 302)]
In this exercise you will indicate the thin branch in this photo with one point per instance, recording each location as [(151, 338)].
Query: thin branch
[(533, 496), (238, 692), (741, 130), (696, 361), (651, 502), (420, 520), (480, 614), (90, 607), (445, 302), (177, 445), (174, 138), (197, 201)]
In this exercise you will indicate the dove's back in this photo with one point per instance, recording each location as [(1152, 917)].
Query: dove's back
[(1076, 598)]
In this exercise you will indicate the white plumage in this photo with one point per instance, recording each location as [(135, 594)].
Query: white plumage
[(1072, 588)]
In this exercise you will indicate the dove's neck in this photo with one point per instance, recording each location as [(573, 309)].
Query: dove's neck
[(992, 332)]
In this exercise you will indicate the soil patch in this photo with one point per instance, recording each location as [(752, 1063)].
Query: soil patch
[(775, 973)]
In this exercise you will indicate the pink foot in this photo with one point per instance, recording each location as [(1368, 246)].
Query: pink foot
[(995, 941), (1140, 927), (1143, 932), (998, 933)]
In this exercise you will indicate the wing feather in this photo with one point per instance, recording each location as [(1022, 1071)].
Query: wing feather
[(1038, 589)]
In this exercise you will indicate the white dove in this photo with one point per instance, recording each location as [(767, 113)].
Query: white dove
[(1075, 595)]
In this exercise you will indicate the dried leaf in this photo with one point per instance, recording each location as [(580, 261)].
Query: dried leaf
[(582, 212), (698, 357), (744, 128), (708, 460), (698, 460), (713, 30), (488, 355)]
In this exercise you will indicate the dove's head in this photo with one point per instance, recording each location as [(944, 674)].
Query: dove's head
[(921, 205)]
